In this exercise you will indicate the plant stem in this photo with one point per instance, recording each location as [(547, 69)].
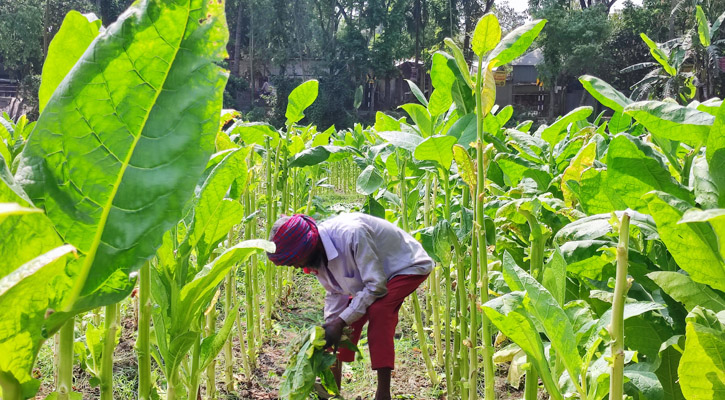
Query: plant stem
[(531, 384), (463, 309), (109, 345), (536, 265), (65, 360), (621, 287), (194, 378), (488, 370), (10, 388), (269, 270), (423, 342), (143, 345), (211, 369), (228, 309)]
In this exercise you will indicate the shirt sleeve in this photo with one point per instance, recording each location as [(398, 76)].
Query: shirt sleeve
[(372, 274), (335, 303)]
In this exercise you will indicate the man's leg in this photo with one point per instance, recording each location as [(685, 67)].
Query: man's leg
[(383, 318)]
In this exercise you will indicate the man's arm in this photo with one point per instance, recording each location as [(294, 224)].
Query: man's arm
[(372, 273)]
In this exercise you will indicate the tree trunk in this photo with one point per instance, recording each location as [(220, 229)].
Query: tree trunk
[(236, 61), (673, 4), (251, 51)]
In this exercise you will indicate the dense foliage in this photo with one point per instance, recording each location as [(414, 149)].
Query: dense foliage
[(585, 254)]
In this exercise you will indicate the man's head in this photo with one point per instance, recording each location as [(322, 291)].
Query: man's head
[(297, 241)]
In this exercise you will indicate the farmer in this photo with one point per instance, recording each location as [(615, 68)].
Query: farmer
[(368, 266)]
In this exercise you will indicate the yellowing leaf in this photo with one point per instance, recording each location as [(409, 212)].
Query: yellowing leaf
[(488, 91), (465, 167), (486, 35), (573, 172)]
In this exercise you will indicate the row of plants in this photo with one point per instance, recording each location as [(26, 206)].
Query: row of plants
[(585, 253)]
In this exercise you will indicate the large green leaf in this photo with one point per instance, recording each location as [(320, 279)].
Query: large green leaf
[(466, 170), (256, 133), (195, 296), (634, 170), (669, 358), (299, 99), (702, 367), (583, 160), (26, 231), (659, 55), (694, 246), (421, 117), (314, 155), (605, 93), (517, 168), (510, 317), (438, 149), (214, 214), (554, 278), (26, 296), (715, 152), (706, 190), (68, 45), (368, 181), (460, 61), (384, 122), (548, 312), (703, 27), (486, 35), (417, 92), (515, 43), (402, 140), (683, 289), (116, 153), (554, 133), (672, 121)]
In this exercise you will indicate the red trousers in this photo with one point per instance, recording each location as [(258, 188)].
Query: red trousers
[(383, 318)]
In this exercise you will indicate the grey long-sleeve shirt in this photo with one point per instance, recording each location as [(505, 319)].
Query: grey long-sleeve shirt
[(363, 254)]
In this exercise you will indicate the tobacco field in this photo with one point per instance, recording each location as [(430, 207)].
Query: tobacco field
[(584, 259)]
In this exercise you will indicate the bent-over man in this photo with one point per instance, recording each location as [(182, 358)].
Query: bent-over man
[(368, 266)]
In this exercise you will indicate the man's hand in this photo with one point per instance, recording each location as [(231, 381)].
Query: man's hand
[(333, 332)]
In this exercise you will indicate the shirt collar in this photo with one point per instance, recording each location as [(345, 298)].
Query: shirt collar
[(330, 249)]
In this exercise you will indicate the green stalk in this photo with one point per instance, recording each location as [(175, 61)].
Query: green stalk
[(463, 307), (211, 369), (423, 342), (531, 383), (228, 310), (488, 369), (243, 348), (194, 377), (313, 179), (416, 304), (255, 276), (65, 370), (10, 388), (434, 284), (269, 270), (473, 348), (621, 287), (536, 265), (143, 344), (249, 291), (447, 326), (109, 345)]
